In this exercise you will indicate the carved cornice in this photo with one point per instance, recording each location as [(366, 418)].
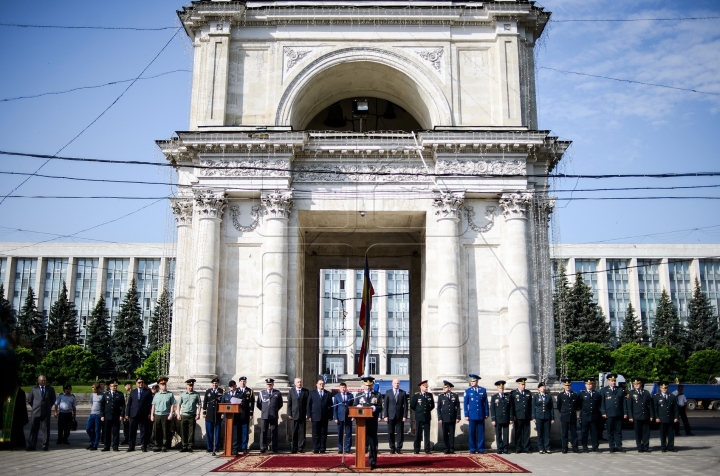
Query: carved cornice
[(210, 203), (545, 206), (489, 215), (293, 55), (245, 168), (515, 205), (448, 204), (359, 173), (277, 204), (433, 56), (255, 214), (481, 167), (182, 208)]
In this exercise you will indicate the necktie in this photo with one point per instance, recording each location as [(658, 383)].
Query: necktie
[(321, 393), (568, 394), (396, 396), (344, 398), (42, 392), (139, 393), (298, 392)]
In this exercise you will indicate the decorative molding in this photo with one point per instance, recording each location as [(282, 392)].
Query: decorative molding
[(489, 215), (481, 167), (448, 204), (277, 204), (545, 206), (245, 168), (359, 173), (293, 56), (433, 56), (515, 205), (235, 213), (210, 203), (182, 208)]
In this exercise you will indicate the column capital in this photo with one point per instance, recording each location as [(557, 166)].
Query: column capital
[(277, 204), (515, 205), (545, 206), (210, 203), (448, 204), (182, 207)]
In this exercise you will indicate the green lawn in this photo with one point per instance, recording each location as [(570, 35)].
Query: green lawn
[(58, 388)]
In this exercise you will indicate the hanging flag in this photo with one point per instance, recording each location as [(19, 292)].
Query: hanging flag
[(365, 308)]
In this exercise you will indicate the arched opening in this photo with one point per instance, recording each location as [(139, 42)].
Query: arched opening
[(382, 115)]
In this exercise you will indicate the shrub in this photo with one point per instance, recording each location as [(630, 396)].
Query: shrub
[(649, 364), (702, 365), (149, 369), (585, 359), (27, 362), (69, 364)]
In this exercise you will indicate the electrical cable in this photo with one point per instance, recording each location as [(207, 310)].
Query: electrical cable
[(591, 20), (135, 182), (628, 267), (63, 27)]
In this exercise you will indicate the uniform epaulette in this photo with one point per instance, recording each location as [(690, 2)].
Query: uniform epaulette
[(251, 391), (417, 393)]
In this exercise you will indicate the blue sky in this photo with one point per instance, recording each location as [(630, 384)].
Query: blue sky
[(615, 127)]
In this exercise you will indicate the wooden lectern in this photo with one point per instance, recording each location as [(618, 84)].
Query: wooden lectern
[(229, 410), (361, 415)]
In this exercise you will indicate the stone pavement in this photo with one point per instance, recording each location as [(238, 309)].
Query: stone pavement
[(699, 454)]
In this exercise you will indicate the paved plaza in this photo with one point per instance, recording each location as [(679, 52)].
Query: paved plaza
[(699, 454)]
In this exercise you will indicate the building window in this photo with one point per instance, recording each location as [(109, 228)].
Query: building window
[(710, 281), (588, 271), (399, 365), (680, 287), (618, 293), (170, 279), (556, 264), (359, 277), (148, 281), (116, 284), (85, 280), (398, 318), (334, 366), (333, 318), (24, 277), (3, 267), (55, 274), (650, 290)]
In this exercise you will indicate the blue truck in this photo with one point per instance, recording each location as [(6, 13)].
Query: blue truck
[(705, 396)]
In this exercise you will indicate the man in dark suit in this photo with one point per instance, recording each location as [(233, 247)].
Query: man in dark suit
[(112, 413), (522, 414), (269, 403), (613, 409), (341, 415), (244, 418), (210, 407), (297, 414), (567, 406), (233, 395), (590, 418), (543, 414), (667, 414), (501, 415), (41, 399), (396, 413), (422, 403), (319, 411), (641, 412), (138, 410), (448, 410), (371, 399)]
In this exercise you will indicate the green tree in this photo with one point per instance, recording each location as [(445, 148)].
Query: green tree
[(585, 359), (632, 330), (649, 364), (31, 325), (7, 316), (586, 321), (149, 371), (667, 329), (703, 332), (98, 337), (71, 364), (128, 336), (703, 365), (160, 323), (62, 327), (560, 298), (27, 363)]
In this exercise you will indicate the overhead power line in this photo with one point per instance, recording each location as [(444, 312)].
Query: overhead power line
[(68, 27), (601, 20)]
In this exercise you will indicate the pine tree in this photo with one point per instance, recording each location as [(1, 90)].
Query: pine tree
[(31, 325), (62, 327), (128, 336), (160, 323), (98, 337), (667, 329), (7, 316), (586, 321), (703, 332), (560, 298), (632, 330)]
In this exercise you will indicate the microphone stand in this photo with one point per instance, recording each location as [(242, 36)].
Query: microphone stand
[(342, 451)]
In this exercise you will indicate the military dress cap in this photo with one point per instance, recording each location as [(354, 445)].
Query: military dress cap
[(500, 383), (242, 378), (112, 382), (424, 382), (269, 380), (590, 380), (474, 377), (612, 376), (368, 380), (190, 381), (664, 385), (541, 384), (638, 380), (162, 380), (566, 381), (232, 383), (521, 380), (215, 380), (448, 384)]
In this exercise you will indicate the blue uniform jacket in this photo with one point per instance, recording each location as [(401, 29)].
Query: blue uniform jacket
[(475, 404), (340, 410)]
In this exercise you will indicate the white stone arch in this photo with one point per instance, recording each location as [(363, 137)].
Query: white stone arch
[(386, 75)]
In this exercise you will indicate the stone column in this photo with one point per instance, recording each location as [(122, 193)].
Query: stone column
[(209, 205), (183, 210), (515, 206), (276, 212), (448, 208)]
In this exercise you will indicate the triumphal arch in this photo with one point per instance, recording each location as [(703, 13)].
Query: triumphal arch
[(325, 132)]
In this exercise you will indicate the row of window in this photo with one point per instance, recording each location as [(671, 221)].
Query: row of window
[(337, 365)]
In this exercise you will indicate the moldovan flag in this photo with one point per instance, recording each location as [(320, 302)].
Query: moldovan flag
[(365, 308)]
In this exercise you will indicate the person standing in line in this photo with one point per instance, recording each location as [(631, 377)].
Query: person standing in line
[(188, 412), (231, 396), (522, 414), (422, 403), (319, 411), (567, 406), (396, 413), (41, 400), (247, 406), (641, 412), (543, 414), (448, 410), (590, 417), (211, 405), (138, 412), (297, 414), (93, 423), (126, 420), (161, 413), (501, 415), (65, 408), (667, 414), (476, 409), (112, 409), (341, 415), (682, 402), (269, 403), (613, 411), (372, 399)]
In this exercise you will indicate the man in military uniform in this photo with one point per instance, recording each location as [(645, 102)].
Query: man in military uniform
[(448, 410), (567, 406), (590, 417), (543, 414), (112, 411), (522, 414), (372, 399), (501, 415), (475, 407), (667, 414), (228, 396), (612, 409), (269, 403), (188, 412), (247, 407), (211, 405), (161, 414), (640, 412), (422, 403)]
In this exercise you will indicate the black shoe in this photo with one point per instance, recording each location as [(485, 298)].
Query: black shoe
[(89, 447), (575, 450), (93, 449), (372, 466), (392, 451), (322, 452), (116, 448), (130, 449), (398, 451), (641, 450), (416, 452), (301, 450), (189, 450), (124, 442), (293, 451), (274, 451), (316, 451), (648, 450), (620, 450), (428, 452), (586, 450), (564, 452), (446, 452), (105, 449), (548, 452), (234, 453), (45, 448), (690, 434), (182, 450), (262, 451), (144, 449), (164, 450), (158, 450), (673, 450)]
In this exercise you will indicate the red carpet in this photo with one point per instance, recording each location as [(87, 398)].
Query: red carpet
[(314, 463)]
